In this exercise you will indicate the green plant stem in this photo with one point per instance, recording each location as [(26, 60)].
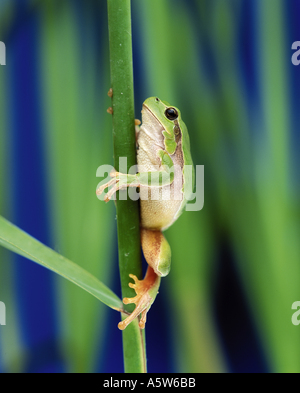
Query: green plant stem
[(119, 21)]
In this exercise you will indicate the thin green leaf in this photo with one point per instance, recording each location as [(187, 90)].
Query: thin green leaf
[(23, 244)]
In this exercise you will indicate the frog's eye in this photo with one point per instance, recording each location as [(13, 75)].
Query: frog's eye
[(171, 113)]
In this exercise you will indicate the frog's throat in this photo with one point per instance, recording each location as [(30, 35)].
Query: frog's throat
[(156, 118)]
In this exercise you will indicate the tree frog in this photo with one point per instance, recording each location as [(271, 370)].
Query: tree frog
[(163, 152)]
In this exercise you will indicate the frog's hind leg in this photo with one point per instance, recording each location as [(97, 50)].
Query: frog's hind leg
[(157, 251), (158, 256)]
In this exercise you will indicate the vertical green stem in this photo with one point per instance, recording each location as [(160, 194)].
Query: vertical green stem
[(119, 21)]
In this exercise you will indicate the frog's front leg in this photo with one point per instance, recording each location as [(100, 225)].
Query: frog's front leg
[(119, 181), (157, 253), (160, 178)]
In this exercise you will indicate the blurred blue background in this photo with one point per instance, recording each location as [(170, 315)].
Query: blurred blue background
[(226, 305)]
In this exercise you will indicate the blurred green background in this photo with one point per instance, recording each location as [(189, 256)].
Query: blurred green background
[(226, 305)]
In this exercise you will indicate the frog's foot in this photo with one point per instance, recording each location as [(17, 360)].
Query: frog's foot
[(112, 182), (119, 181), (146, 291)]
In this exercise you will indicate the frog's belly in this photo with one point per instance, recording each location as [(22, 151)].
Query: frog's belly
[(158, 214), (159, 205)]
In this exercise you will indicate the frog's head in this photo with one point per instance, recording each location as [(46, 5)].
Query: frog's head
[(169, 119)]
